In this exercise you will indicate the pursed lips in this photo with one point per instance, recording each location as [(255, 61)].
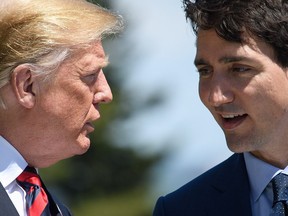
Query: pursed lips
[(89, 127), (89, 124)]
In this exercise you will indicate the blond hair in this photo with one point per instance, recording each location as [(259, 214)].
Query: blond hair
[(45, 33)]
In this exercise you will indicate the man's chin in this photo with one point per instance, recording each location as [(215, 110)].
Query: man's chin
[(84, 145)]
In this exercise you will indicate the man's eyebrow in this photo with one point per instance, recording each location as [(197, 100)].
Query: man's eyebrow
[(102, 64), (105, 62), (229, 59), (200, 61), (224, 60)]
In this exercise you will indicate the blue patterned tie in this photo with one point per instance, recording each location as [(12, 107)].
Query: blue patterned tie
[(280, 190)]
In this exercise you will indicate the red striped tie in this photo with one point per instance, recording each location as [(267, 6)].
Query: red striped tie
[(36, 198)]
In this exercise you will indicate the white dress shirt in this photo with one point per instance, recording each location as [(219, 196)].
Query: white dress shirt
[(12, 165), (260, 174)]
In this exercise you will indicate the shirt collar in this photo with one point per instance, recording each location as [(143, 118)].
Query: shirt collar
[(260, 174), (12, 163)]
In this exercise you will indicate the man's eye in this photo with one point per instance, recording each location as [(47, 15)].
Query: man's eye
[(204, 72), (240, 69), (90, 79)]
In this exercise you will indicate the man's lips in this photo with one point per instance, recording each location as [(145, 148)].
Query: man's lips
[(89, 127), (231, 121)]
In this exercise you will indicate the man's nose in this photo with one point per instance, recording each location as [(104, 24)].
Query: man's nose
[(220, 92), (103, 91)]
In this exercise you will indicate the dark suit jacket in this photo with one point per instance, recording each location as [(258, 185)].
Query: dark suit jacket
[(222, 191), (7, 208)]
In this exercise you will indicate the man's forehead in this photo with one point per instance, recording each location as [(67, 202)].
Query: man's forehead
[(94, 56)]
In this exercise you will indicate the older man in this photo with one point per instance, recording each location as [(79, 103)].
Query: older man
[(51, 85)]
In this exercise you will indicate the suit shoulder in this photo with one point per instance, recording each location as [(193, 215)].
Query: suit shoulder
[(207, 188), (202, 184)]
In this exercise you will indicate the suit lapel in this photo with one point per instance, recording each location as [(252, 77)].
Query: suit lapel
[(63, 209), (232, 190), (6, 205), (56, 207)]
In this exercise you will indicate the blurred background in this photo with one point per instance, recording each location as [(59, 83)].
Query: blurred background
[(156, 135)]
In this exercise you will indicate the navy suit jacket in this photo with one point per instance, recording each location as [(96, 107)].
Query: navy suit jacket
[(222, 191), (7, 208)]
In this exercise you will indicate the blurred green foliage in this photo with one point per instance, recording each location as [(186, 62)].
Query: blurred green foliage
[(107, 180), (130, 203)]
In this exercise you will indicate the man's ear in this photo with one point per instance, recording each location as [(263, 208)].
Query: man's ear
[(22, 82)]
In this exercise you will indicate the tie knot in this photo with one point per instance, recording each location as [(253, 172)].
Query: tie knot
[(280, 187), (30, 176)]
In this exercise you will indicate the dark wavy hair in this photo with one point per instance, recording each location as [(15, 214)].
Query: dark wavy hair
[(266, 19)]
